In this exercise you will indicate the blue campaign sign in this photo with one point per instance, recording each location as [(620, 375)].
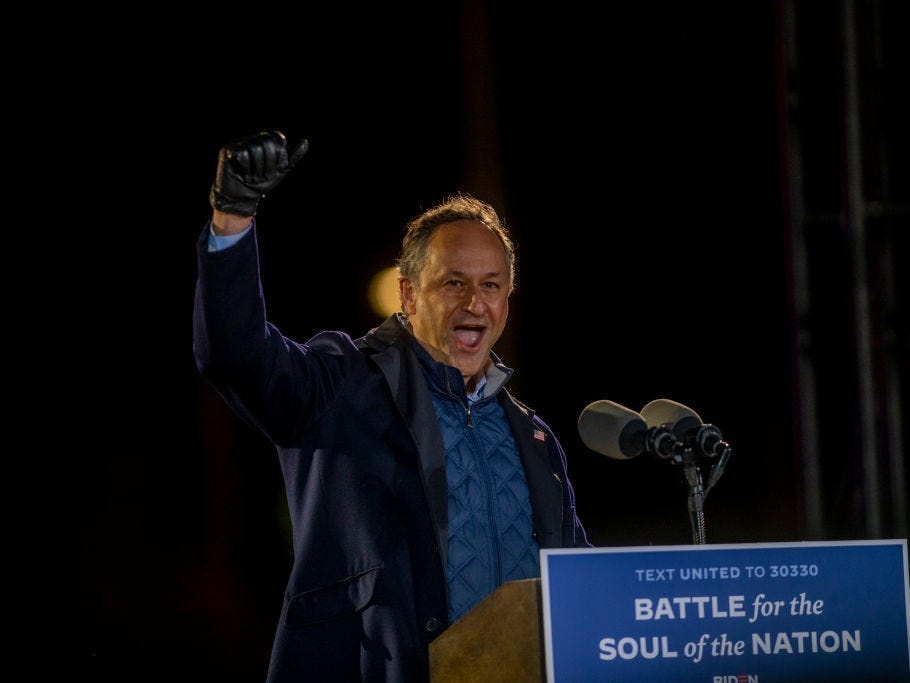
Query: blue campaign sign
[(728, 613)]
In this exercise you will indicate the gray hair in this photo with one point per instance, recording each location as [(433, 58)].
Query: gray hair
[(457, 207)]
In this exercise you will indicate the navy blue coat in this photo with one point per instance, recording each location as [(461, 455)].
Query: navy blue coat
[(363, 465)]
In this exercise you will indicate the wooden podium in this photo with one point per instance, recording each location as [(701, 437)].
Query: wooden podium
[(499, 641)]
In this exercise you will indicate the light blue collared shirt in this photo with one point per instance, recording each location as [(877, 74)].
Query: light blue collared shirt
[(477, 394)]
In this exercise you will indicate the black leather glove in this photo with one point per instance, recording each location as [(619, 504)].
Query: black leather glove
[(250, 167)]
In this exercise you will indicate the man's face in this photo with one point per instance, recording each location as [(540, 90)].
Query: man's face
[(460, 307)]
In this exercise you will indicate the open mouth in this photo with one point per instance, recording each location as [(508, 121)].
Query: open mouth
[(469, 337)]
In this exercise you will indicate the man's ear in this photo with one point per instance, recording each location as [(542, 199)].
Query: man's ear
[(407, 296)]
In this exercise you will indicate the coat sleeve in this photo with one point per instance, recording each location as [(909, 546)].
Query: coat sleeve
[(277, 385)]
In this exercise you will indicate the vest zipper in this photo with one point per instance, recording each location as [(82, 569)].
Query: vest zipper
[(488, 485), (466, 405)]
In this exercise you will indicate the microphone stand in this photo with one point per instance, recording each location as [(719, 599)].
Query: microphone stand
[(696, 496), (697, 491)]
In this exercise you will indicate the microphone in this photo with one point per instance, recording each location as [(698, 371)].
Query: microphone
[(620, 433), (686, 426), (693, 438)]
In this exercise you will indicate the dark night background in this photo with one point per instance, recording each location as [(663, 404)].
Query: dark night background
[(641, 157)]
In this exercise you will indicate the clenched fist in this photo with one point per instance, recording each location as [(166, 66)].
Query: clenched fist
[(250, 167)]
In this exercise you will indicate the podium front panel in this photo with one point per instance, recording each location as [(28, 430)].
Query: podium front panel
[(812, 611)]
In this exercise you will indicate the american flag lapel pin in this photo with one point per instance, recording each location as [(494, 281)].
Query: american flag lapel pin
[(539, 435)]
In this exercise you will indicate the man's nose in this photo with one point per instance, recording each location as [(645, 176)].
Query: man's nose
[(473, 301)]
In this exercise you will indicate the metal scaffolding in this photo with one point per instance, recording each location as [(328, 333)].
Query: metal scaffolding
[(845, 204)]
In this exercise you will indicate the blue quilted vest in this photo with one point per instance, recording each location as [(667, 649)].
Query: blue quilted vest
[(490, 532)]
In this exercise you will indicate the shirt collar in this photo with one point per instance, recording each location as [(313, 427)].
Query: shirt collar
[(477, 394)]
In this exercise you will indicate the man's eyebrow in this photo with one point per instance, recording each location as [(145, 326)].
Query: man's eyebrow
[(462, 275)]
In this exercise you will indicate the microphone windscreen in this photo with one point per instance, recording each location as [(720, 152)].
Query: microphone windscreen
[(612, 430), (677, 417)]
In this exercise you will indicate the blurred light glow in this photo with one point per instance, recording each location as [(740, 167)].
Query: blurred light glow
[(384, 292)]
